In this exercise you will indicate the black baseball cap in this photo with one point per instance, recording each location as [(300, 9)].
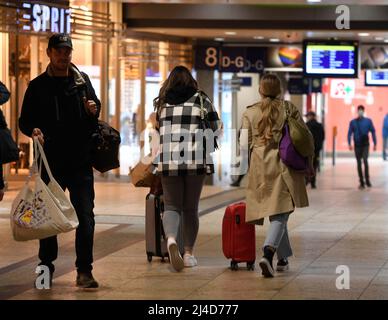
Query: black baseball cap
[(311, 113), (60, 40)]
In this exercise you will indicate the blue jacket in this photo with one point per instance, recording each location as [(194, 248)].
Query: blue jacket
[(385, 127), (360, 128)]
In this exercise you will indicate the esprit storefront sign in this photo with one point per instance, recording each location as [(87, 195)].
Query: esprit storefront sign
[(44, 18)]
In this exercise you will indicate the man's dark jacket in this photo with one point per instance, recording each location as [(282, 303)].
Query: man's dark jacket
[(318, 133), (55, 105)]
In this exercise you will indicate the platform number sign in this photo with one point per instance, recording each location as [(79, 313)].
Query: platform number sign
[(230, 59)]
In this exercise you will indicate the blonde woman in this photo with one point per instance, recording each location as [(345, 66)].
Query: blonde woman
[(273, 190)]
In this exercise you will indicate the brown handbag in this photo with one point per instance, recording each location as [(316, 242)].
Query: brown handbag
[(142, 175)]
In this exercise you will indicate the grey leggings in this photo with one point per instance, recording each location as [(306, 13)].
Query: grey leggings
[(277, 236), (181, 197)]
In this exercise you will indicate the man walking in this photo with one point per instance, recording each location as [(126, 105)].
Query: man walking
[(318, 133), (360, 128), (385, 137), (60, 107)]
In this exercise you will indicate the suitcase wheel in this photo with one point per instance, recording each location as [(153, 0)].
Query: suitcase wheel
[(149, 257), (251, 266), (233, 265)]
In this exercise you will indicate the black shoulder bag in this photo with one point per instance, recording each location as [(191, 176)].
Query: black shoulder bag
[(106, 144)]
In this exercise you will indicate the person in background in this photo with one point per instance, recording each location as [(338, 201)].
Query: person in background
[(61, 109), (318, 133), (385, 137), (239, 167), (3, 124), (360, 128), (182, 161), (4, 96), (274, 190)]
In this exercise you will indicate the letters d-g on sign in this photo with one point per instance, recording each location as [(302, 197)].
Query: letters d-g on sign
[(230, 59)]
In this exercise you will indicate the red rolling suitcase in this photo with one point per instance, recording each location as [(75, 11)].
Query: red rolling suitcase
[(238, 237)]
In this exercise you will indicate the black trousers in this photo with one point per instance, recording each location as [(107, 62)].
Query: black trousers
[(313, 180), (362, 154), (80, 184)]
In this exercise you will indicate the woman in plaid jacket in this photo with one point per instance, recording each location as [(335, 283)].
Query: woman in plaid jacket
[(184, 157)]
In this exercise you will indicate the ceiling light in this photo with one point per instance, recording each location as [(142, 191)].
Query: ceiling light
[(379, 38), (219, 39), (230, 33), (274, 40), (258, 37), (363, 34), (386, 40), (314, 1)]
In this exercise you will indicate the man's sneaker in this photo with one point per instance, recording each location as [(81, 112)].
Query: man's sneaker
[(282, 265), (174, 254), (85, 280), (361, 187), (266, 268), (189, 260), (368, 184)]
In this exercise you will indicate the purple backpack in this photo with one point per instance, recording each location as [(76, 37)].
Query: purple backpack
[(290, 157)]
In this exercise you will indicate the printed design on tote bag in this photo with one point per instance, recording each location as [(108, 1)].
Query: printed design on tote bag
[(31, 215)]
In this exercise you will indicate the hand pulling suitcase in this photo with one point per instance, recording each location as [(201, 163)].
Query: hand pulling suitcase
[(156, 242), (238, 237)]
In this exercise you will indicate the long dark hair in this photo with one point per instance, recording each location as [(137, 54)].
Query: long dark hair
[(180, 76)]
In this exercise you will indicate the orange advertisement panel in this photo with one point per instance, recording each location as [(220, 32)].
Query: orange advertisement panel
[(343, 98)]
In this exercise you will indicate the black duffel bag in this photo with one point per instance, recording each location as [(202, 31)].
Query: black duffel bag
[(106, 145)]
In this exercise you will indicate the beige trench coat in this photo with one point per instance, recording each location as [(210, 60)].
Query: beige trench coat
[(273, 188)]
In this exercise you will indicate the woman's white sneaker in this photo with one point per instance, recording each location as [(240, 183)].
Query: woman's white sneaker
[(189, 260), (174, 254)]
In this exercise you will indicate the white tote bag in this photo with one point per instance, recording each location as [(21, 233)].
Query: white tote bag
[(44, 210)]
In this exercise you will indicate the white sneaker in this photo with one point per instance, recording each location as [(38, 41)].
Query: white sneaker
[(174, 254), (189, 260)]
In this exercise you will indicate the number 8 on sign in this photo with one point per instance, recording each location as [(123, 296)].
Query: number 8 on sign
[(211, 57)]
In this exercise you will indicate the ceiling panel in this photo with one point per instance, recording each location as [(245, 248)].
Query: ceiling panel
[(255, 35), (269, 2)]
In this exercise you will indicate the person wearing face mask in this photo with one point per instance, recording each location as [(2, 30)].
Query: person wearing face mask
[(360, 128)]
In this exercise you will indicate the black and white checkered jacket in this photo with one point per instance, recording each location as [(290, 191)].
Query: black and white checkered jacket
[(181, 149)]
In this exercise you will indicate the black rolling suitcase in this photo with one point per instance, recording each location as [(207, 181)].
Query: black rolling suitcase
[(156, 242)]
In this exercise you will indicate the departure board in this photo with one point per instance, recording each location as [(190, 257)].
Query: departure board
[(376, 77), (331, 60)]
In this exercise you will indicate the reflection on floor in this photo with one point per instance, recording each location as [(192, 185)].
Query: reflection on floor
[(343, 226)]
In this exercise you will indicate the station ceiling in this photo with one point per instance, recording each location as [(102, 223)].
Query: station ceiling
[(287, 21), (271, 2)]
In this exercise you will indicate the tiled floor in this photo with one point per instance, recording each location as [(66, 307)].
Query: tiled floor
[(343, 226)]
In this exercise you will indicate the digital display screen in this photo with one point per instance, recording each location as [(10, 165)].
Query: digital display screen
[(331, 60), (377, 77)]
